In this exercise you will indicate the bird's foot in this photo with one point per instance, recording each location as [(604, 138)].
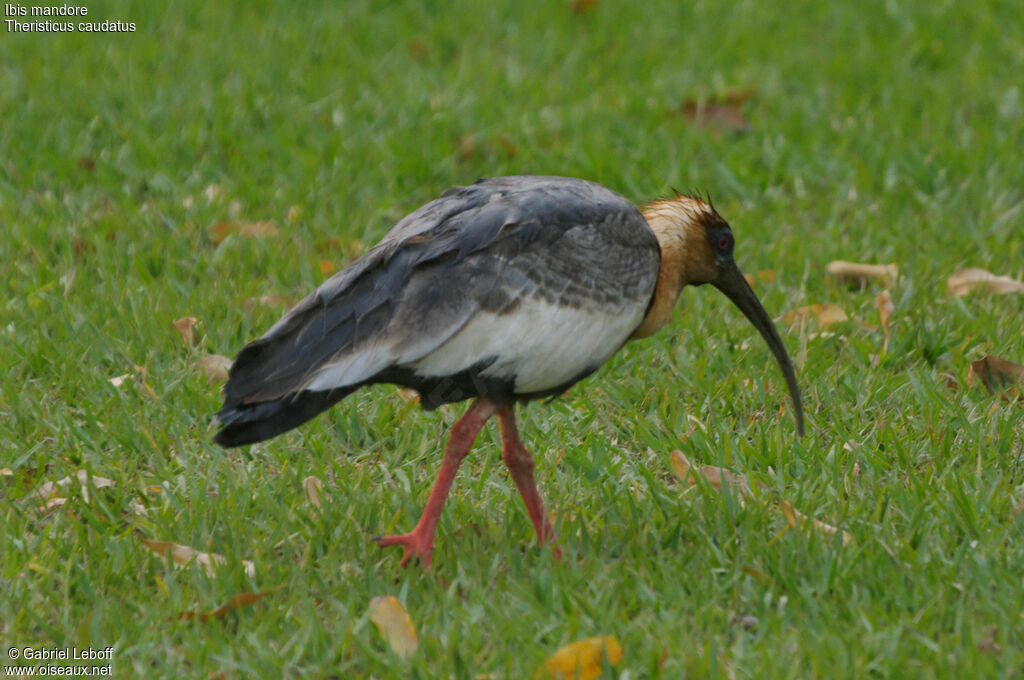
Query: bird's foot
[(414, 544)]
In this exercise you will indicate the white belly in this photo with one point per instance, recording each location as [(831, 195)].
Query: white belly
[(542, 344)]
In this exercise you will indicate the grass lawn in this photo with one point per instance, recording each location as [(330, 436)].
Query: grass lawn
[(866, 131)]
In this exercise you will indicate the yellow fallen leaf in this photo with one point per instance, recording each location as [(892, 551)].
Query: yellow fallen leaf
[(6, 472), (862, 274), (313, 486), (326, 267), (826, 315), (681, 466), (394, 624), (185, 326), (796, 519), (261, 229), (215, 367), (582, 660), (182, 555), (997, 374), (966, 280)]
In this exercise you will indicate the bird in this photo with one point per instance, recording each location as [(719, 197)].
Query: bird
[(503, 291)]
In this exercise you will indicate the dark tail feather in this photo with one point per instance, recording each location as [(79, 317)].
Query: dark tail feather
[(249, 423)]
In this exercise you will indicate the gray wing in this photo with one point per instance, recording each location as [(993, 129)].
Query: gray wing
[(477, 248)]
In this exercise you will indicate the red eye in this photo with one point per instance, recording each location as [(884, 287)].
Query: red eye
[(723, 243)]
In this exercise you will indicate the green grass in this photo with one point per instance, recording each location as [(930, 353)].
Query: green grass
[(879, 132)]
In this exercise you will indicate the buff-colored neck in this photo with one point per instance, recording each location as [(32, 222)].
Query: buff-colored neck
[(685, 255)]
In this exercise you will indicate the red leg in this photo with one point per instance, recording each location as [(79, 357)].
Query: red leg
[(519, 462), (420, 541)]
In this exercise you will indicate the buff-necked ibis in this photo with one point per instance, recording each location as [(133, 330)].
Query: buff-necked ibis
[(511, 289)]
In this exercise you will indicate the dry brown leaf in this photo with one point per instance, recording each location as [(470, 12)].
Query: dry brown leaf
[(182, 555), (988, 643), (796, 519), (326, 267), (213, 192), (313, 486), (508, 146), (186, 325), (721, 116), (583, 6), (261, 229), (215, 367), (394, 624), (237, 602), (997, 374), (348, 248), (49, 489), (582, 660), (68, 279), (863, 274), (54, 502), (467, 148), (763, 275), (758, 575), (418, 49), (966, 280), (826, 315), (885, 310), (271, 301), (715, 476), (407, 394)]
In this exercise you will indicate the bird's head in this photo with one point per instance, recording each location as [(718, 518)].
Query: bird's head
[(697, 248)]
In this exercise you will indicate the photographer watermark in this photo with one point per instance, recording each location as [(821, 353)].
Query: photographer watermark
[(28, 661)]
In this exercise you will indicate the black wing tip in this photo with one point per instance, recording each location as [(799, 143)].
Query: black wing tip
[(243, 424)]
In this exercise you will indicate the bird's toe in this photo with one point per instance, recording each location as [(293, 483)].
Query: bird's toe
[(414, 544)]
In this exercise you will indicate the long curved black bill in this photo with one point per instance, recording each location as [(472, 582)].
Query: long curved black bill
[(731, 282)]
